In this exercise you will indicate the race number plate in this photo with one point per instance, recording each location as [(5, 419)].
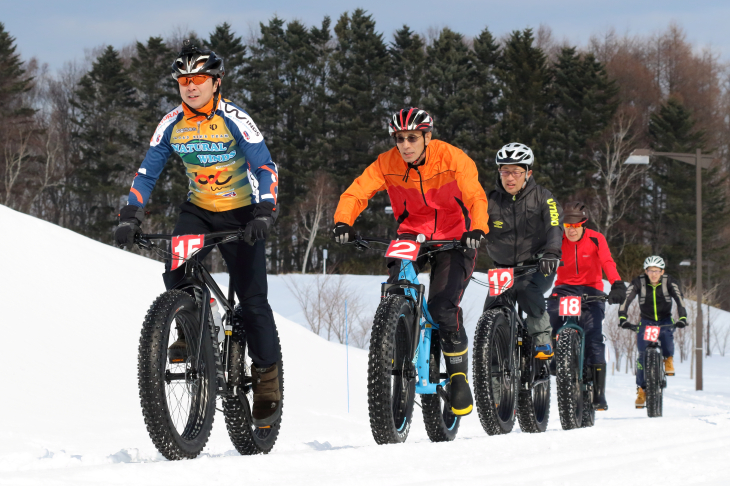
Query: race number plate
[(183, 247), (651, 333), (569, 306), (403, 249), (500, 279)]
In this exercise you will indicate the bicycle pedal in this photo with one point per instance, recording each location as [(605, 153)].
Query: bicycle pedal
[(669, 374), (640, 406)]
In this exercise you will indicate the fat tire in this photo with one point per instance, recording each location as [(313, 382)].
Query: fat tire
[(589, 409), (441, 424), (388, 399), (491, 346), (245, 436), (653, 377), (571, 400), (151, 367)]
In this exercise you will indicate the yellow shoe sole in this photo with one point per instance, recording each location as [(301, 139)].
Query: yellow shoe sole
[(462, 412)]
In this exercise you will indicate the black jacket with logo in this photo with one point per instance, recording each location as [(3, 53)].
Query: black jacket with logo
[(655, 302), (524, 225)]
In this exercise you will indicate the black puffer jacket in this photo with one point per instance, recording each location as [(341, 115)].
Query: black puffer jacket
[(523, 226)]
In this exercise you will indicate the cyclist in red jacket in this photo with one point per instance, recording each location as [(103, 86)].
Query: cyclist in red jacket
[(585, 255)]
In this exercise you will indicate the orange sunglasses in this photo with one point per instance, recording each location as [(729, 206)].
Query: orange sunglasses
[(198, 79), (573, 225)]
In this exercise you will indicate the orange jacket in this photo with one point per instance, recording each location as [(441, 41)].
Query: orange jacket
[(441, 198)]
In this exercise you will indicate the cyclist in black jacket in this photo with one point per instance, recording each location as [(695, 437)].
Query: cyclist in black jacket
[(525, 228), (655, 291)]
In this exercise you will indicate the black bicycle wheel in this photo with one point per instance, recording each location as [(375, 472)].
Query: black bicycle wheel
[(441, 424), (391, 380), (178, 399), (533, 403), (245, 436), (653, 375), (495, 386), (568, 379)]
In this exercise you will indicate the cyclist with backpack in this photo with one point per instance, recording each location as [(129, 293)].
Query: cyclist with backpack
[(656, 291), (434, 190), (586, 257), (233, 183), (525, 228)]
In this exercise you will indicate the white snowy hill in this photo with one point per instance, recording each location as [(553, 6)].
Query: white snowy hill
[(72, 310)]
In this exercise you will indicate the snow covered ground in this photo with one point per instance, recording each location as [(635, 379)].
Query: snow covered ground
[(71, 314)]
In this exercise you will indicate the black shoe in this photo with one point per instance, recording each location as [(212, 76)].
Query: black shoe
[(178, 351), (266, 396), (599, 387), (455, 348)]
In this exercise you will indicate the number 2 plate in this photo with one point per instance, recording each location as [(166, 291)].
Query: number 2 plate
[(403, 249), (651, 333), (569, 306), (500, 279), (183, 247)]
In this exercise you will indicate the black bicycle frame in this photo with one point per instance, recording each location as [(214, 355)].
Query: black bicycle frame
[(197, 277)]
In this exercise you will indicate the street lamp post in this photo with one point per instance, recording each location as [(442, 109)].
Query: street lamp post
[(700, 161)]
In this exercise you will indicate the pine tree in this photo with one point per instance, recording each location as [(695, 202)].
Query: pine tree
[(524, 78), (450, 88), (225, 44), (358, 87), (671, 218), (408, 59), (157, 93), (484, 140), (13, 78), (104, 102), (584, 105)]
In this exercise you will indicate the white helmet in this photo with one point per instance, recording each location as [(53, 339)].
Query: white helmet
[(515, 153), (654, 261)]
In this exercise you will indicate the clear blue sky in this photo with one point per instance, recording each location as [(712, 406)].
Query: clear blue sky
[(57, 31)]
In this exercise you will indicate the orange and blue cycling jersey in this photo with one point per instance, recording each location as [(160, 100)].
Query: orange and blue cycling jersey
[(226, 159)]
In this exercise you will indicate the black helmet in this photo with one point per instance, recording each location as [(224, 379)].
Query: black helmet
[(575, 212), (410, 119), (193, 60)]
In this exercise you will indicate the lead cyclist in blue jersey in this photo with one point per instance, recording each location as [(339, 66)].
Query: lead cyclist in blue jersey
[(233, 183)]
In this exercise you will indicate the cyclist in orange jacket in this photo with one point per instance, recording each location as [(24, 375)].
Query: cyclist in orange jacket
[(434, 190)]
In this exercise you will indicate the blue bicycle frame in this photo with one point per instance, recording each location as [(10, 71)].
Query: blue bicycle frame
[(422, 357)]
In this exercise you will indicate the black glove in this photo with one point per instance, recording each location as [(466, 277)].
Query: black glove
[(617, 293), (549, 263), (472, 239), (130, 219), (342, 233), (624, 324), (264, 215), (681, 323)]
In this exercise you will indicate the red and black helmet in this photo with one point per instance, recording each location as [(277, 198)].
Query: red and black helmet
[(410, 119), (575, 212)]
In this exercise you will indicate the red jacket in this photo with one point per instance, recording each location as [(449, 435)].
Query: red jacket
[(584, 259)]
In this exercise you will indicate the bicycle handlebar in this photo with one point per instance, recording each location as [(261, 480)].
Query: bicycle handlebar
[(366, 239), (145, 240), (584, 297)]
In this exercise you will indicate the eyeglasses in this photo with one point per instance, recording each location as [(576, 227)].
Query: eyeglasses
[(411, 139), (573, 225), (514, 173), (198, 79)]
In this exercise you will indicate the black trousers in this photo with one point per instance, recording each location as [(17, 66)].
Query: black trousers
[(450, 274), (529, 291), (247, 270), (591, 320)]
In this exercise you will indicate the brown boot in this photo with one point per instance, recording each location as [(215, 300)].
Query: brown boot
[(640, 398), (266, 396), (178, 351), (669, 366)]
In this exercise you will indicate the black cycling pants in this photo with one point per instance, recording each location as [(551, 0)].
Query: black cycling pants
[(450, 274), (591, 320), (529, 291), (247, 269)]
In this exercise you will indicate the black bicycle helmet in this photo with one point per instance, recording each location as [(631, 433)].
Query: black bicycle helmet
[(193, 60), (575, 212)]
